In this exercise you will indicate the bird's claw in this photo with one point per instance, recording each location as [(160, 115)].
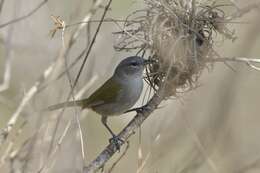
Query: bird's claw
[(116, 141)]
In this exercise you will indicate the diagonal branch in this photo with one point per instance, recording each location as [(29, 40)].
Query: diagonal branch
[(126, 133)]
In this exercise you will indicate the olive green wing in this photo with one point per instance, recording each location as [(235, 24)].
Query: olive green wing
[(107, 93)]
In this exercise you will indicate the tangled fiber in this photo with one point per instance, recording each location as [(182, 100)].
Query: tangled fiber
[(179, 36)]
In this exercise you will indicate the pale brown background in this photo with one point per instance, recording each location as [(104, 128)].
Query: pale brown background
[(213, 129)]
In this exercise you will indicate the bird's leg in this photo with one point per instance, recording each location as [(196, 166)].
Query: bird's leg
[(115, 139)]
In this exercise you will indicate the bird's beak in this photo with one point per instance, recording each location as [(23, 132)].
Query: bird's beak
[(148, 61)]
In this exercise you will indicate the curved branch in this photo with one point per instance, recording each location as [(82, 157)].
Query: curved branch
[(126, 133)]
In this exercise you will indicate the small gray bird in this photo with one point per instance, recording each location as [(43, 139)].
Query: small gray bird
[(117, 95)]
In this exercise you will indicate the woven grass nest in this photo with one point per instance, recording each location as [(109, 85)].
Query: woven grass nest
[(178, 36)]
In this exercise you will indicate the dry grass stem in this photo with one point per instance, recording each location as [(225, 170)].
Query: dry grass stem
[(200, 146), (8, 55), (66, 49), (51, 158), (141, 167), (33, 11)]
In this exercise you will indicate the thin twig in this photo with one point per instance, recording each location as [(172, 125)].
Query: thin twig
[(65, 52), (27, 97), (50, 158), (141, 167), (128, 131), (200, 146), (25, 16), (248, 61), (9, 52), (47, 83), (243, 11), (73, 97), (139, 152), (84, 62), (122, 155), (1, 5), (87, 19), (107, 20), (72, 40), (4, 133), (92, 43)]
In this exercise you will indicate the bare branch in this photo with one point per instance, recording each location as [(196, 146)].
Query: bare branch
[(248, 61), (127, 132)]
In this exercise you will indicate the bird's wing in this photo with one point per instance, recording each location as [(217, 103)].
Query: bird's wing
[(107, 93)]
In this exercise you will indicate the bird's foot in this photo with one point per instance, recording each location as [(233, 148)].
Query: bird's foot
[(116, 141), (139, 109)]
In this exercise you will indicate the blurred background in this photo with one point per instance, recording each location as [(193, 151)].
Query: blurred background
[(212, 129)]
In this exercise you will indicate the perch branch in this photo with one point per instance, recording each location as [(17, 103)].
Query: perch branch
[(126, 133)]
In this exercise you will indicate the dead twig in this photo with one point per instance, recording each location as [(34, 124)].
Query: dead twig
[(247, 61), (27, 97), (72, 40), (25, 16), (65, 51)]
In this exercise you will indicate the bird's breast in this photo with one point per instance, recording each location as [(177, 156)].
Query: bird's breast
[(133, 90)]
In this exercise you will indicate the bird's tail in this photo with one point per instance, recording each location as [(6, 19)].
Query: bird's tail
[(66, 104)]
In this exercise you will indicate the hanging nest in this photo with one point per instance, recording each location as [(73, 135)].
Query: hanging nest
[(178, 36)]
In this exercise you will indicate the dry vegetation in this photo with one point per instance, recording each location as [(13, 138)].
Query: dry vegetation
[(181, 37)]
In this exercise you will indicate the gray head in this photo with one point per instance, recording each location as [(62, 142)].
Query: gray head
[(131, 66)]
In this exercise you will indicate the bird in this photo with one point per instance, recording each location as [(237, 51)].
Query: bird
[(117, 95)]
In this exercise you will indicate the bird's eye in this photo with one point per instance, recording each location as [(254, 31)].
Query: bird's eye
[(134, 64)]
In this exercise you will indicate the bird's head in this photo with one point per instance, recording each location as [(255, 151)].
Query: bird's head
[(132, 66)]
